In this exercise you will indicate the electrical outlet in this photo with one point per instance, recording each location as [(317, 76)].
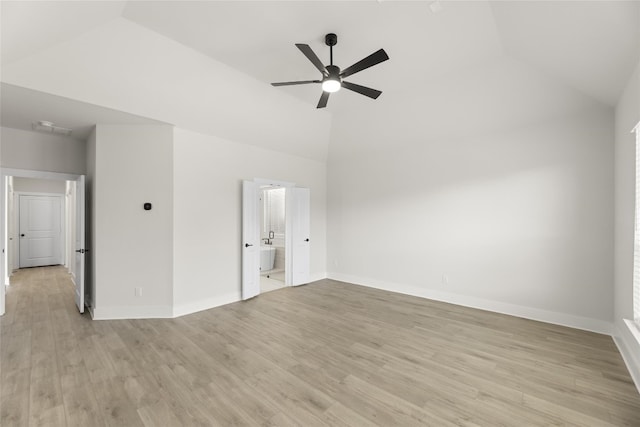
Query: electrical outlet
[(137, 292), (445, 279)]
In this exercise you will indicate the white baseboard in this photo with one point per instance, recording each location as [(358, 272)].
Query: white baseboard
[(132, 312), (314, 277), (206, 304), (563, 319), (629, 348)]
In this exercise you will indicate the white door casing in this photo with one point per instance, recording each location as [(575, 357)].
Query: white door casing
[(250, 240), (12, 222), (40, 230), (300, 211), (3, 264), (80, 250)]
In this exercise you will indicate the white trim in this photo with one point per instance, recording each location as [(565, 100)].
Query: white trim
[(273, 183), (314, 277), (26, 173), (633, 328), (132, 312), (563, 319), (636, 128), (206, 304), (626, 339)]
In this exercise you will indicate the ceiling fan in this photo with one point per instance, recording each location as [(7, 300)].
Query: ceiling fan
[(332, 77)]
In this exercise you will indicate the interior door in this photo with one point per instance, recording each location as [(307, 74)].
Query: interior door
[(250, 241), (80, 251), (300, 198), (40, 230)]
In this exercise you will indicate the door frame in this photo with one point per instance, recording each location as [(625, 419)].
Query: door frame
[(20, 173), (63, 225)]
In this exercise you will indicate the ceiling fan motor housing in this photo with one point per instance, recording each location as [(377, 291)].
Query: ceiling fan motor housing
[(333, 72)]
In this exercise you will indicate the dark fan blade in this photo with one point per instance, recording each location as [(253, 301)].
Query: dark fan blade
[(366, 91), (302, 82), (323, 99), (371, 60), (312, 57)]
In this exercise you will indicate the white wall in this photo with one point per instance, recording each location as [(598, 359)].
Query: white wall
[(20, 149), (519, 221), (208, 174), (133, 247), (126, 67), (627, 116), (33, 185)]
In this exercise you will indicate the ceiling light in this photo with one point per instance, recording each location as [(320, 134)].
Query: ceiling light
[(50, 127), (331, 85)]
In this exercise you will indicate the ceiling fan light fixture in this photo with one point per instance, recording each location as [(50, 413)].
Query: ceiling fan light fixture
[(332, 82), (331, 85), (332, 77)]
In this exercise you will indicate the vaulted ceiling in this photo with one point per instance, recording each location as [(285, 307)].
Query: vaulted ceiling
[(544, 58)]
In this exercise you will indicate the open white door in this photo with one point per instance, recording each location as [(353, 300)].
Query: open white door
[(250, 241), (300, 199), (80, 242)]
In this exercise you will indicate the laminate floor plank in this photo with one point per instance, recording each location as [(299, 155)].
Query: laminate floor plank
[(325, 354)]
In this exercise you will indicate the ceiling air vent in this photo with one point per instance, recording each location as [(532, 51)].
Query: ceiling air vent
[(50, 127)]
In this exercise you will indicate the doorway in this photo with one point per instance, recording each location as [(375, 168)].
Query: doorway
[(296, 238), (273, 248), (43, 215)]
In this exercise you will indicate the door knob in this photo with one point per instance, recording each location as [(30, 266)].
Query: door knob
[(306, 240), (22, 235), (246, 245)]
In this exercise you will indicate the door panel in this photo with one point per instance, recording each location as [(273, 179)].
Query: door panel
[(300, 198), (250, 241), (80, 251), (40, 230)]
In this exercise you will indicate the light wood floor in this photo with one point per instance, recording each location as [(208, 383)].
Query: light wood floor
[(323, 354)]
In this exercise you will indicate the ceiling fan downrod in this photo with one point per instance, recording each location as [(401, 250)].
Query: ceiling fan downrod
[(331, 40)]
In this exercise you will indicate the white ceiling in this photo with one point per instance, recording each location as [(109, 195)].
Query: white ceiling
[(590, 45), (20, 107), (30, 26), (258, 38), (446, 66)]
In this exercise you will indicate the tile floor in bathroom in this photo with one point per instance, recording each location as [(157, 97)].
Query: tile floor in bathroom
[(273, 282)]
